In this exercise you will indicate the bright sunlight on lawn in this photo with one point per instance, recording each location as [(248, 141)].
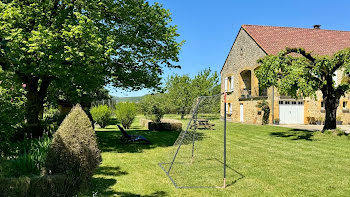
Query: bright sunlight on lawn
[(262, 161)]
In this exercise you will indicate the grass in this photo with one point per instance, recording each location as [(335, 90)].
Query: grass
[(262, 161)]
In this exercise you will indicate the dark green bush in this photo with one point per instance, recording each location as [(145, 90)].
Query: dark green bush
[(55, 185), (264, 105), (31, 158), (74, 151), (101, 115), (11, 113), (126, 113)]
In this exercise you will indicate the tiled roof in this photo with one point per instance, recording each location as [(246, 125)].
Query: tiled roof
[(321, 42)]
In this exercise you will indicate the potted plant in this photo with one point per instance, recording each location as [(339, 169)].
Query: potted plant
[(277, 121), (320, 120), (339, 121)]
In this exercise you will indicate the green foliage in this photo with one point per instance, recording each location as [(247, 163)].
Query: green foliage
[(74, 151), (303, 75), (264, 106), (126, 113), (56, 185), (72, 49), (183, 90), (101, 115), (154, 106), (11, 112), (31, 159), (181, 95)]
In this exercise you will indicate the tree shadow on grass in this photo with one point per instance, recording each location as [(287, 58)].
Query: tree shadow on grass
[(102, 186), (109, 140), (110, 171), (154, 194), (295, 134)]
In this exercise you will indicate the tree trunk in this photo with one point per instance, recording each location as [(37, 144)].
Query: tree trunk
[(34, 105), (331, 102)]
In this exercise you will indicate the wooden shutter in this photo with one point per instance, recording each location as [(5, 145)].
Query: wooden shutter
[(225, 84), (231, 84)]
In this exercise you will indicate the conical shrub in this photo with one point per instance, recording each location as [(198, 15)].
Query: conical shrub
[(74, 151)]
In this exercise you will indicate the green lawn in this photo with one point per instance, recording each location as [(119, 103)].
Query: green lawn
[(262, 161)]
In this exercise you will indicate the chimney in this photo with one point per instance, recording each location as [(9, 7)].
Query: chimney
[(317, 26)]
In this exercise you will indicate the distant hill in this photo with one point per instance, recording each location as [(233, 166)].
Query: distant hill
[(126, 99)]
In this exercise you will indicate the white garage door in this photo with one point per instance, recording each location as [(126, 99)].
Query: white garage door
[(291, 112)]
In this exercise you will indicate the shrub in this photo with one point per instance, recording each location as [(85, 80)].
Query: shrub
[(32, 157), (74, 151), (55, 185), (101, 115), (11, 113), (154, 106), (126, 113), (264, 105)]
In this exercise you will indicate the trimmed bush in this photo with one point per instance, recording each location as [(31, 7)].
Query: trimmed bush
[(74, 151), (101, 115), (126, 113), (55, 185)]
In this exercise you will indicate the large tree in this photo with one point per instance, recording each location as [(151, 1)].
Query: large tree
[(304, 74), (84, 44)]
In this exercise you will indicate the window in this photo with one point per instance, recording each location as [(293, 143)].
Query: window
[(322, 105), (231, 83), (345, 103)]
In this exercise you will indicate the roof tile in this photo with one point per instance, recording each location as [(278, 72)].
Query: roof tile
[(321, 42)]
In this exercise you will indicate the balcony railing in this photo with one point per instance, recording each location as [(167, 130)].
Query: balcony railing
[(257, 93), (246, 93)]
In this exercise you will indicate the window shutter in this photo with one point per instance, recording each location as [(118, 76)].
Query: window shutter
[(231, 84), (226, 107), (231, 108), (225, 84)]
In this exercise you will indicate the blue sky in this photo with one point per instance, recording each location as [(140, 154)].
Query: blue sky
[(210, 27)]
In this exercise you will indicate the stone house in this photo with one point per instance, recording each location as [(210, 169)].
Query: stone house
[(241, 85)]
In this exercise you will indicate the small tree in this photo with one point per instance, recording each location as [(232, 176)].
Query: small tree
[(303, 76), (183, 90), (154, 106), (264, 106), (101, 115), (74, 151), (126, 113)]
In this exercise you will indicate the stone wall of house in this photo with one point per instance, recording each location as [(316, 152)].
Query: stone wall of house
[(242, 56), (313, 109)]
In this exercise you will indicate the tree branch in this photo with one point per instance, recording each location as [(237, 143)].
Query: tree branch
[(300, 51)]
